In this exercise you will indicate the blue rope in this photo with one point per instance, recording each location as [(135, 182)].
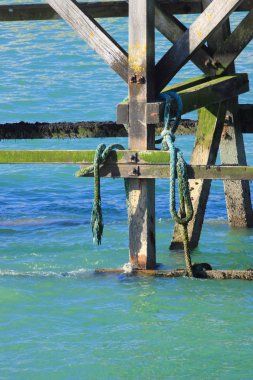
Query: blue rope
[(101, 155), (178, 169)]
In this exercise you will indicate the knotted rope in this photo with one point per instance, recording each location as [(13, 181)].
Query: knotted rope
[(101, 155), (178, 169)]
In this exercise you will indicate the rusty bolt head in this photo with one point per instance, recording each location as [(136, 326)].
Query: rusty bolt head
[(133, 79), (141, 80)]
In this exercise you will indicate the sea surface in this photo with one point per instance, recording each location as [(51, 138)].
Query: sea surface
[(58, 320)]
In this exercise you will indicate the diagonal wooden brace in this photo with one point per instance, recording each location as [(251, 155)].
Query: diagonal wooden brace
[(93, 34)]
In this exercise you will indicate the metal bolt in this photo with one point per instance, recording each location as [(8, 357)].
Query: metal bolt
[(133, 79), (141, 80), (134, 157), (208, 62)]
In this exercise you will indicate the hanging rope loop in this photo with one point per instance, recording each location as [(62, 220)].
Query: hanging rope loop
[(101, 155), (178, 170)]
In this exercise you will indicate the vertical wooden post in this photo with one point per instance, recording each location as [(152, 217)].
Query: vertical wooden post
[(232, 150), (141, 136)]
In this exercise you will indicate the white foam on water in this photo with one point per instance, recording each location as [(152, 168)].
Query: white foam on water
[(73, 274)]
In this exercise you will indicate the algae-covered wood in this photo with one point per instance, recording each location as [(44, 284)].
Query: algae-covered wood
[(195, 93), (205, 152), (130, 164)]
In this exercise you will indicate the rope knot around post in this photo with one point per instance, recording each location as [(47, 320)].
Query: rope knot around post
[(178, 169)]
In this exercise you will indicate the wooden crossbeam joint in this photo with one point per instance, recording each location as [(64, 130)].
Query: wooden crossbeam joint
[(196, 93), (126, 164)]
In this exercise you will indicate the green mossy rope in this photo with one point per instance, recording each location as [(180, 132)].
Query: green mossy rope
[(101, 155), (178, 169)]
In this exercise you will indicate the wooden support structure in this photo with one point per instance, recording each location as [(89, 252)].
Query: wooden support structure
[(237, 193), (210, 45), (142, 247), (149, 164), (195, 93), (224, 46), (192, 39)]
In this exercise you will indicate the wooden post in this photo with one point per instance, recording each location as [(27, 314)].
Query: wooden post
[(141, 136), (205, 151), (232, 149)]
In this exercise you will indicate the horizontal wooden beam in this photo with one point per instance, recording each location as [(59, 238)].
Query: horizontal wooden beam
[(127, 164), (26, 12), (209, 274), (195, 93)]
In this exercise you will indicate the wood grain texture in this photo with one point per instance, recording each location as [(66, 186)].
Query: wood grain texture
[(232, 150), (97, 38), (234, 44), (26, 12), (142, 246), (195, 93), (173, 29), (150, 164), (192, 39)]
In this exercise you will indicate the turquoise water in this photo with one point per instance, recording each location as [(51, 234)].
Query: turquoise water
[(58, 319)]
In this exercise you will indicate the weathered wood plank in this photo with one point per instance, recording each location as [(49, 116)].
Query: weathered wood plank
[(150, 164), (234, 43), (195, 93), (222, 274), (205, 151), (173, 29), (232, 150), (26, 12), (192, 40), (98, 39), (142, 247)]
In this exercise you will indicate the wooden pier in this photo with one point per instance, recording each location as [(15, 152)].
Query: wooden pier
[(213, 48)]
